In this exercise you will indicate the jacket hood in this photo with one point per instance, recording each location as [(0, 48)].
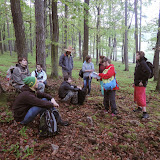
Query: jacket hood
[(143, 58), (111, 65), (26, 88)]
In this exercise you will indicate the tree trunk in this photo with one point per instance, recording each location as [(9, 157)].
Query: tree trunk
[(40, 33), (97, 36), (93, 44), (54, 52), (126, 40), (156, 54), (110, 53), (50, 23), (86, 30), (140, 25), (115, 48), (136, 30), (65, 26), (4, 38), (9, 41), (1, 46), (158, 83), (80, 51), (19, 28), (30, 28)]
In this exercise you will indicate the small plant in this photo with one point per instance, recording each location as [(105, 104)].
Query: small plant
[(28, 151), (22, 132), (82, 124), (110, 134)]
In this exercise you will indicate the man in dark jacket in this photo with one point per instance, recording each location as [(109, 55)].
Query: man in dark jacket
[(66, 62), (29, 102), (68, 92), (141, 75)]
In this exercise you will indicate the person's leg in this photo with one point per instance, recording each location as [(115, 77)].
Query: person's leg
[(32, 113), (89, 85), (112, 94), (106, 100), (64, 73), (102, 89), (70, 74), (41, 87), (68, 97), (74, 99), (85, 82)]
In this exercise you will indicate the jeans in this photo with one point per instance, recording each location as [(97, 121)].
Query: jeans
[(87, 81), (33, 112), (102, 89), (109, 100)]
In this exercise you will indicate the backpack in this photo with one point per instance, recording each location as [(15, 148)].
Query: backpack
[(48, 123), (9, 75), (81, 95), (81, 73), (150, 65)]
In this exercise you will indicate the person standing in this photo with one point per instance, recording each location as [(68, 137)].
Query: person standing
[(66, 62), (141, 76), (109, 95), (101, 69), (87, 68)]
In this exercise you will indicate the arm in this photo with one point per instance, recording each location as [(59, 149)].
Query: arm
[(17, 76), (146, 71), (69, 87), (109, 74), (33, 74), (44, 76), (61, 62)]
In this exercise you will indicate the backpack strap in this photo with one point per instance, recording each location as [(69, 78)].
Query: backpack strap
[(36, 74)]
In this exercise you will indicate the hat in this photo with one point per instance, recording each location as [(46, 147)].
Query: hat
[(30, 81), (69, 49)]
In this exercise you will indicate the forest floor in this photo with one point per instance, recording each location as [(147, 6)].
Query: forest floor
[(92, 133)]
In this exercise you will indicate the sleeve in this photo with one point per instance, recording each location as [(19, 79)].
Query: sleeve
[(28, 73), (17, 76), (109, 74), (44, 76), (68, 87), (83, 67), (43, 95), (61, 61), (34, 101), (146, 71), (33, 74)]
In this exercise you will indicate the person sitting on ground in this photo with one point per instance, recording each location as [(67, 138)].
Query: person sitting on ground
[(20, 72), (41, 76), (30, 102), (68, 92)]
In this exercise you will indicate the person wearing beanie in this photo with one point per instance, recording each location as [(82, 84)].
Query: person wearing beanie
[(30, 102)]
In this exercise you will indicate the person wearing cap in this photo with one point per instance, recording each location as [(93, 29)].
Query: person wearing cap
[(66, 62), (30, 102)]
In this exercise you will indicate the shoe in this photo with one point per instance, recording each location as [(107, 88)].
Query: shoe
[(64, 123), (138, 110), (106, 111), (145, 115), (114, 113)]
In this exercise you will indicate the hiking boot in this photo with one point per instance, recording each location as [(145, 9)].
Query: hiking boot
[(145, 115), (114, 113), (137, 110), (64, 123)]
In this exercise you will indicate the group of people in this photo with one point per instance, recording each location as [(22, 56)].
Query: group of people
[(33, 101)]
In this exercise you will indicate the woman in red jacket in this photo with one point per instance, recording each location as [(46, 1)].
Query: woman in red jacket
[(109, 95)]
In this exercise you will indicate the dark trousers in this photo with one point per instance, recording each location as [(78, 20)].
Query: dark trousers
[(109, 100)]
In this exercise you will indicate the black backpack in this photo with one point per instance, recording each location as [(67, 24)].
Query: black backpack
[(48, 123), (150, 65), (82, 95), (81, 73)]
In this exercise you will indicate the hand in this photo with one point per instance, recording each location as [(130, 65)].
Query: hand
[(79, 87), (133, 85), (54, 102), (140, 84)]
